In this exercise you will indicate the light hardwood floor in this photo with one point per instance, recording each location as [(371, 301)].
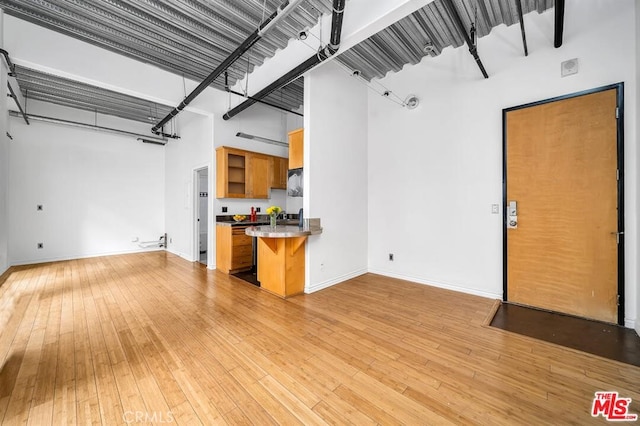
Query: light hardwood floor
[(153, 338)]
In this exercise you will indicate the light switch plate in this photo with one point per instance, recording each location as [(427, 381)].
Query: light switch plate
[(495, 208)]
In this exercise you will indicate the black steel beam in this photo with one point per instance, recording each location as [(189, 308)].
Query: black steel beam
[(457, 20), (264, 102), (524, 35), (328, 51), (234, 56), (559, 23)]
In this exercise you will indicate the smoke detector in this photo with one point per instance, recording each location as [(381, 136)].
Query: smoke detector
[(411, 102)]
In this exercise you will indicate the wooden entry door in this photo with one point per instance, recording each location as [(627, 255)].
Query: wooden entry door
[(561, 169)]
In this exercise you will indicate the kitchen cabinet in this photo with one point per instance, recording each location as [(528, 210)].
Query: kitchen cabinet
[(231, 173), (279, 166), (234, 249), (242, 174), (296, 148), (258, 176)]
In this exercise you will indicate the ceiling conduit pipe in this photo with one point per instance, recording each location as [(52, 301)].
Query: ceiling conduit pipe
[(559, 23), (266, 25), (323, 54), (472, 47), (89, 126)]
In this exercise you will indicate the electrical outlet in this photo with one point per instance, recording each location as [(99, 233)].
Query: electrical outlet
[(40, 245), (391, 257), (224, 209), (258, 209), (39, 207)]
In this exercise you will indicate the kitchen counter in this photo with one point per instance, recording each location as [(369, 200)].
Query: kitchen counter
[(257, 223), (282, 231), (281, 256)]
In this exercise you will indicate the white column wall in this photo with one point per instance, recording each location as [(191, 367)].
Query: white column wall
[(192, 151), (435, 171), (335, 175), (4, 159)]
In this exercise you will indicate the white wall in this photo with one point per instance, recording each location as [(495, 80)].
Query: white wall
[(192, 151), (637, 281), (435, 171), (49, 51), (259, 120), (99, 192), (335, 175), (4, 160)]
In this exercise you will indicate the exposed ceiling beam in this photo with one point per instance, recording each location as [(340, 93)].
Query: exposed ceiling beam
[(460, 26), (524, 35), (253, 38), (559, 23)]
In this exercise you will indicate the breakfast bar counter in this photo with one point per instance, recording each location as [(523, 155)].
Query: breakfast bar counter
[(281, 257)]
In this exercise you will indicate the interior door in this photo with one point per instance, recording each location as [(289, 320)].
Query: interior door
[(561, 185)]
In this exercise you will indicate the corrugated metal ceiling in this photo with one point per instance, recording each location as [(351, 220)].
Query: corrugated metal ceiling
[(404, 42), (191, 37), (62, 91)]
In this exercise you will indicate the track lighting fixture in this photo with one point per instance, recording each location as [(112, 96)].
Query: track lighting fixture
[(411, 102)]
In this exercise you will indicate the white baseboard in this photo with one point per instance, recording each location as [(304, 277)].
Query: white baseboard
[(439, 284), (630, 323), (334, 281), (81, 256)]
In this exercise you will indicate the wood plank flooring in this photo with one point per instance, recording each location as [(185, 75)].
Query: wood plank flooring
[(152, 338)]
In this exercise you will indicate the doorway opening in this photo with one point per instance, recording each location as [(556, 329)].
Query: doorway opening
[(202, 214)]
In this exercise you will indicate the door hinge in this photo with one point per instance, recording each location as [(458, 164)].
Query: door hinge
[(618, 301), (617, 174), (617, 112)]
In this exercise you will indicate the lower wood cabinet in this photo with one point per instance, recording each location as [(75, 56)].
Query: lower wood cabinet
[(234, 250)]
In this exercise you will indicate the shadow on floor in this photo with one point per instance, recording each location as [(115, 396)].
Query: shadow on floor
[(602, 339)]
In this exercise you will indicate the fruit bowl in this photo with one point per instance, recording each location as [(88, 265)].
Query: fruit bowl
[(239, 217)]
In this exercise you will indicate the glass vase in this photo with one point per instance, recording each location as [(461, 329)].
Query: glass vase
[(272, 221)]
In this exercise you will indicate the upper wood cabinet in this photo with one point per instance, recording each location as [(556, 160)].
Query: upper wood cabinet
[(296, 148), (247, 174), (278, 167), (258, 176), (231, 173)]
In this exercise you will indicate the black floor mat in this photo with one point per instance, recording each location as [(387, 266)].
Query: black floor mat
[(605, 340), (248, 276)]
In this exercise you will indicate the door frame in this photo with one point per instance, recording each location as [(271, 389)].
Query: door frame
[(196, 212), (619, 87)]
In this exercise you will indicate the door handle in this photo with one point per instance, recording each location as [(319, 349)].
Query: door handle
[(512, 215)]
